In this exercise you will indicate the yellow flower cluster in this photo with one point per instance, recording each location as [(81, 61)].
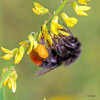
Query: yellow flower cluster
[(18, 53), (31, 44), (70, 21), (10, 80), (54, 30)]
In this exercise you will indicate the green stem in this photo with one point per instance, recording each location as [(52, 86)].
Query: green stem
[(56, 12), (6, 75)]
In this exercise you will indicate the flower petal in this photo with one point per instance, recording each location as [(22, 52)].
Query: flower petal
[(31, 39), (19, 55), (45, 31), (36, 11), (6, 50), (38, 6), (55, 26), (82, 2), (70, 21), (84, 8), (24, 43), (7, 56), (58, 26), (13, 86)]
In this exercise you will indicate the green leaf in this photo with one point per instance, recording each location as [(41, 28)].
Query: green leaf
[(2, 93)]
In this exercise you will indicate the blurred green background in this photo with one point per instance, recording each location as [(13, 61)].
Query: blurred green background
[(81, 79)]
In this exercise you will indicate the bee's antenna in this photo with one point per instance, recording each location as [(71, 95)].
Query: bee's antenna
[(68, 29)]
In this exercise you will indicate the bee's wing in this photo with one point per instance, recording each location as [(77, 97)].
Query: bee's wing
[(43, 71)]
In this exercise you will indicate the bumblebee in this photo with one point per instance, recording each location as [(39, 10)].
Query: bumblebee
[(64, 51)]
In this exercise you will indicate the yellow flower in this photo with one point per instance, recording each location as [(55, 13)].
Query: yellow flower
[(70, 21), (12, 85), (45, 34), (55, 26), (19, 55), (10, 53), (6, 50), (45, 31), (83, 1), (33, 43), (58, 26), (80, 10), (10, 80), (39, 9), (31, 39), (7, 56), (24, 43)]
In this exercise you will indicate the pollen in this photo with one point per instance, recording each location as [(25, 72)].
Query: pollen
[(35, 58), (42, 51)]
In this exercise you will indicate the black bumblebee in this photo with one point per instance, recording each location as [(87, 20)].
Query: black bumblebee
[(65, 50)]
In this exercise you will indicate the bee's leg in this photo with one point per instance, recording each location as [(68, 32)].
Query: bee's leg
[(43, 71), (68, 30)]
